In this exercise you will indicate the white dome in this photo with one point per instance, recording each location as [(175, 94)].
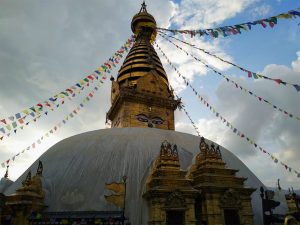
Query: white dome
[(4, 184), (76, 169)]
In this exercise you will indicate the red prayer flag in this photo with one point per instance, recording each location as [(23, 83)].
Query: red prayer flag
[(90, 77), (3, 121), (271, 24), (278, 81)]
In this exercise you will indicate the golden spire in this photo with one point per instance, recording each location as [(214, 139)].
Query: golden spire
[(142, 57), (141, 96)]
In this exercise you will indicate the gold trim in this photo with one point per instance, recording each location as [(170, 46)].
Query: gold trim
[(138, 74)]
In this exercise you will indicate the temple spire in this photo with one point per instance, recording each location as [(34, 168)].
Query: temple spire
[(140, 95), (27, 180), (39, 171), (6, 173)]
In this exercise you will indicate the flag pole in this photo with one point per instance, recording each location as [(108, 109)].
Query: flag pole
[(123, 213)]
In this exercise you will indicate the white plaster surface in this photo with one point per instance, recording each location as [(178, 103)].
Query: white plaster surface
[(77, 168)]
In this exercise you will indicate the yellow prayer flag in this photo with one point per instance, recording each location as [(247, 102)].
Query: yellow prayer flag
[(117, 200), (119, 188), (25, 111), (284, 16)]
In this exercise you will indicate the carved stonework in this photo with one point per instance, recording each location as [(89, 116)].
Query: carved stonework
[(168, 152), (207, 152), (230, 199), (168, 190), (223, 194), (175, 200)]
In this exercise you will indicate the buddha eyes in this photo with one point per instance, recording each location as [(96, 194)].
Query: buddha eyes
[(142, 118), (154, 120), (157, 120)]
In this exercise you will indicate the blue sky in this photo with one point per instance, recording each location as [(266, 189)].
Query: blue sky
[(47, 46)]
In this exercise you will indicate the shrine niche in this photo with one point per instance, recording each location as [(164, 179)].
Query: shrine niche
[(169, 193), (224, 198), (230, 199), (175, 201)]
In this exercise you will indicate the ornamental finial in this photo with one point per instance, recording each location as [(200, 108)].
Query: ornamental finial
[(27, 180), (6, 173), (39, 171), (144, 7)]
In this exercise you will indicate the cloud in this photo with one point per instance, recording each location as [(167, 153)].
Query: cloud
[(195, 14), (274, 131), (261, 11), (49, 46)]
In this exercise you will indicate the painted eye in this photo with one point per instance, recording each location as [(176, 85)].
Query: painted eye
[(157, 120), (142, 118)]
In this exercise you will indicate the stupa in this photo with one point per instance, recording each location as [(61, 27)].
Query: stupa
[(172, 177)]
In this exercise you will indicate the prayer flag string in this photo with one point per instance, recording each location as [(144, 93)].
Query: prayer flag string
[(250, 74), (238, 86), (182, 106), (21, 119), (238, 28), (55, 128), (224, 120)]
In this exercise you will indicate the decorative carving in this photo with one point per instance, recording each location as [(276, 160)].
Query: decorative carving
[(27, 180), (230, 199), (175, 200), (6, 172), (166, 151), (208, 153), (39, 171)]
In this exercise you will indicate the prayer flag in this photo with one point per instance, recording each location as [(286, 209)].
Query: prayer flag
[(297, 87), (18, 115), (14, 124), (3, 121)]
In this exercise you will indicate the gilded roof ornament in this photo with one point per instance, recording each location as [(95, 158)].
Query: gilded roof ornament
[(39, 171), (27, 180), (6, 172), (207, 152), (144, 7), (167, 151)]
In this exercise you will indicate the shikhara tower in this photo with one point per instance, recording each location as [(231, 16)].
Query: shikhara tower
[(141, 96)]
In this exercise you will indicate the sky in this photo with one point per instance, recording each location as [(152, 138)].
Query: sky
[(47, 46)]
